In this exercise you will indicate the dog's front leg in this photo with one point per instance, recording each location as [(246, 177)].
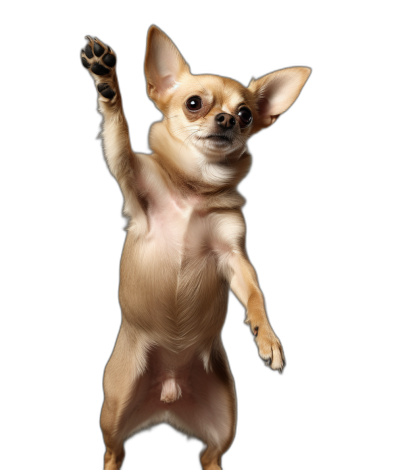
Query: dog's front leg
[(100, 60), (245, 286)]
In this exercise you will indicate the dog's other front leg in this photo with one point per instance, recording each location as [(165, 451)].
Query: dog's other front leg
[(245, 286), (100, 60)]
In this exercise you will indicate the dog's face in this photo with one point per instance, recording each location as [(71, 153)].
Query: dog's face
[(211, 114)]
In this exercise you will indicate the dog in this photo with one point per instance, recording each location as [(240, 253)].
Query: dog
[(185, 245)]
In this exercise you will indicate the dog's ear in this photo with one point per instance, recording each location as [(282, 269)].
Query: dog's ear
[(163, 66), (276, 92)]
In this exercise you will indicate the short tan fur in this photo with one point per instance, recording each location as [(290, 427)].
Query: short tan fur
[(185, 245)]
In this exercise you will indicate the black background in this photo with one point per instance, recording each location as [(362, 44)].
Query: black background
[(294, 235)]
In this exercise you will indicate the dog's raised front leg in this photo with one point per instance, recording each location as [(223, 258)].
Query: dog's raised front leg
[(100, 60), (245, 286)]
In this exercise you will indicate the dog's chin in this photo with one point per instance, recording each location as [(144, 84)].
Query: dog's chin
[(218, 146), (218, 141)]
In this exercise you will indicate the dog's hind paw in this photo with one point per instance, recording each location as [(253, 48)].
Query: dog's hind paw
[(100, 60)]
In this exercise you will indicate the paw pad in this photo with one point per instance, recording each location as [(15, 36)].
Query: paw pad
[(85, 63), (105, 90), (99, 69), (96, 50), (88, 51), (109, 60), (100, 60)]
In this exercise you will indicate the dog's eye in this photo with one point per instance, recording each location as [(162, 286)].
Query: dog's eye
[(245, 117), (194, 103)]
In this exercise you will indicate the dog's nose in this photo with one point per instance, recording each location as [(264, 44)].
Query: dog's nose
[(225, 120)]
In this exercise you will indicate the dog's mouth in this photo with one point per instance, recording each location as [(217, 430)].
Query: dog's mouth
[(219, 139)]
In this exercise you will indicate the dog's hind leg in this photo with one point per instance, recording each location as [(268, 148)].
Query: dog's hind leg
[(207, 408), (125, 388), (219, 417)]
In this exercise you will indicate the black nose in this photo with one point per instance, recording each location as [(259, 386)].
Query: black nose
[(225, 120)]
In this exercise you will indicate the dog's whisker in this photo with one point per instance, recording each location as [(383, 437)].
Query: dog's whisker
[(188, 137)]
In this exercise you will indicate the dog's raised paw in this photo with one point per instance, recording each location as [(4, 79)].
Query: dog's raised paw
[(100, 60)]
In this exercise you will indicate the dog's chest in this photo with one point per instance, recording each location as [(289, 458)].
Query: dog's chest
[(170, 267), (179, 223)]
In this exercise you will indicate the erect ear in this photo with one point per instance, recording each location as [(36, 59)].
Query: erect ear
[(276, 92), (163, 66)]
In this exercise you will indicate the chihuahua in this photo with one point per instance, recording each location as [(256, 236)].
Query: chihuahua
[(185, 245)]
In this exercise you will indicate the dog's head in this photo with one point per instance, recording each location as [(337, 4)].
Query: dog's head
[(213, 114)]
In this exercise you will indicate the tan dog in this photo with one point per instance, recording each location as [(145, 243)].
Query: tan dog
[(185, 245)]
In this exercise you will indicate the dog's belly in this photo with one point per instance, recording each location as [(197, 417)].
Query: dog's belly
[(170, 373), (176, 388), (170, 376), (170, 286)]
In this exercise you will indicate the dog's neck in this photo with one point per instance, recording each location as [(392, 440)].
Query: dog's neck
[(189, 168)]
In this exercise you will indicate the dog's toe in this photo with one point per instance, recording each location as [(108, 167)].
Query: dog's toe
[(109, 60), (85, 63), (88, 51), (98, 48), (268, 362)]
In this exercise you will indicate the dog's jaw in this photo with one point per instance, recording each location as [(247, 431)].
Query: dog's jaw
[(212, 143), (202, 162), (220, 148)]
